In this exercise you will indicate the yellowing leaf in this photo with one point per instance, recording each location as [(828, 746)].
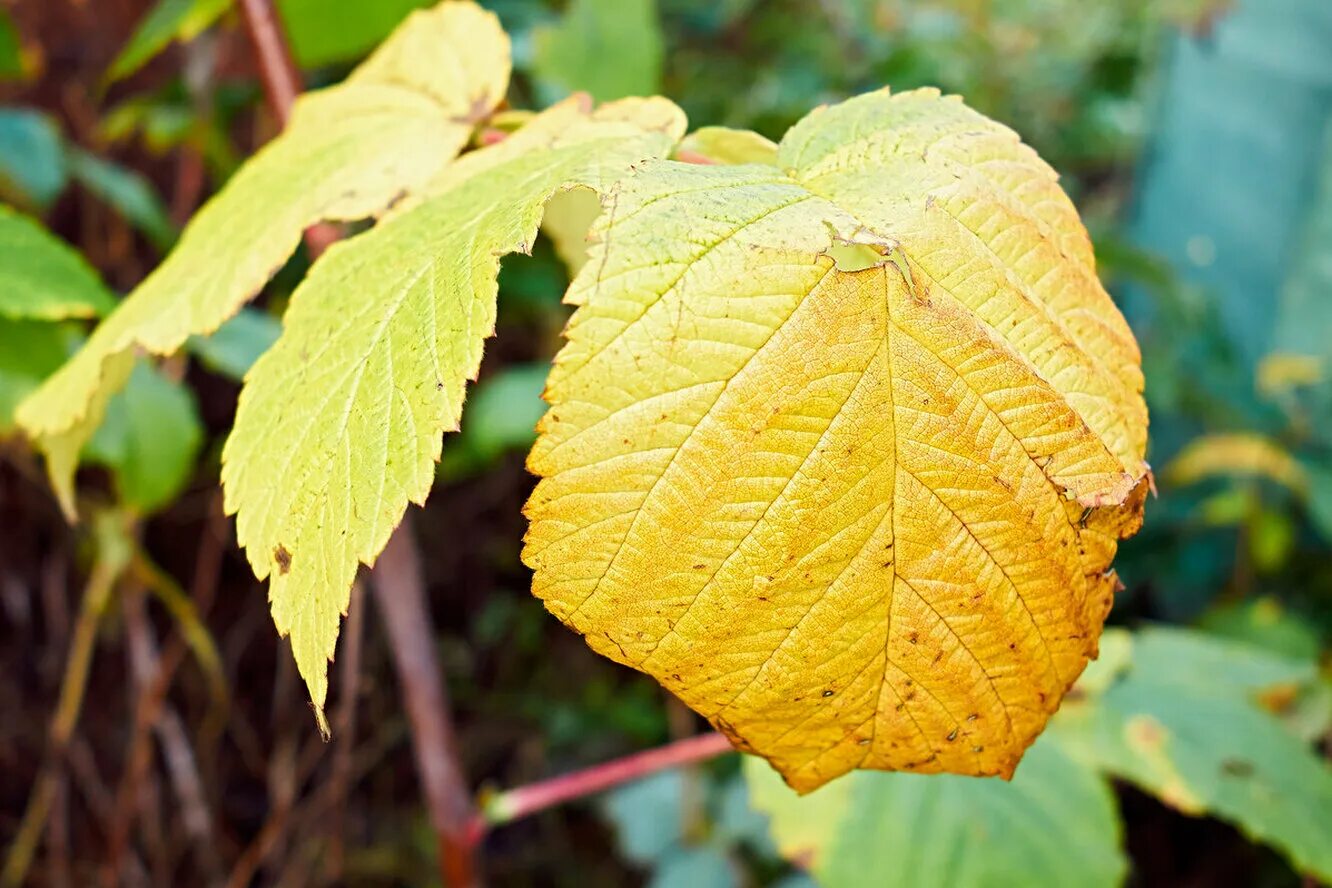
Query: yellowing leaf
[(1241, 454), (340, 422), (720, 144), (348, 152), (839, 450)]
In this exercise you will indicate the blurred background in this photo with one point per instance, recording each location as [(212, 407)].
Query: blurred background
[(1195, 136)]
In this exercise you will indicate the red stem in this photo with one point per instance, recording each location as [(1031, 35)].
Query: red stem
[(282, 82), (526, 800)]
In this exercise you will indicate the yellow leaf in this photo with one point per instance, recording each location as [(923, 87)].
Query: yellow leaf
[(839, 450), (1236, 455), (348, 152), (340, 423)]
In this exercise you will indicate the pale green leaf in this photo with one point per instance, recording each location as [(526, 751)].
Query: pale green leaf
[(1185, 721), (167, 21), (609, 48), (348, 152), (149, 439), (42, 277), (568, 220), (720, 144), (341, 422), (1055, 824)]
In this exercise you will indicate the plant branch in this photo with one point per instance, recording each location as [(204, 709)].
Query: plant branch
[(400, 592), (523, 801), (282, 84)]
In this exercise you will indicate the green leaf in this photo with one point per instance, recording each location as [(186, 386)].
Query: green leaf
[(128, 193), (11, 50), (340, 423), (30, 351), (43, 278), (348, 152), (149, 439), (234, 347), (501, 416), (1182, 720), (169, 20), (323, 32), (1054, 824), (609, 48), (32, 159)]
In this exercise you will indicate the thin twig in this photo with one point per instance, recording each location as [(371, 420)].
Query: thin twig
[(400, 593), (106, 569), (524, 801)]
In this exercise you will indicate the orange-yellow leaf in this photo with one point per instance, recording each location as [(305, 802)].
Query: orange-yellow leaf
[(840, 448)]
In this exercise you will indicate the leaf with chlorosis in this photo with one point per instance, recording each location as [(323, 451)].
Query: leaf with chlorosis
[(340, 423), (348, 152), (840, 449), (1054, 824), (42, 278)]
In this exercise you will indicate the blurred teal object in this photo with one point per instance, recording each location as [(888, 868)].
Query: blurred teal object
[(33, 168), (1230, 176), (234, 347), (128, 193)]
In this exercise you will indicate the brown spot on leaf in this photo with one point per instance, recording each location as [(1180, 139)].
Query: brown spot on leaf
[(283, 559)]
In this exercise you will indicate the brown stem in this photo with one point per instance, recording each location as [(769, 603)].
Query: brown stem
[(400, 593), (523, 801)]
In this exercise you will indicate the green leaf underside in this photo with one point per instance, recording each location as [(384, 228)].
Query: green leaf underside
[(1178, 715), (149, 440), (42, 277), (340, 423), (30, 351), (1054, 824), (347, 153)]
